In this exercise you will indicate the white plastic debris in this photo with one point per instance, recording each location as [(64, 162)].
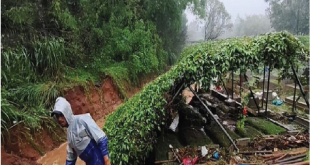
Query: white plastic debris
[(292, 138), (202, 129), (173, 126), (274, 95), (229, 100), (170, 146), (204, 151), (238, 159), (258, 95)]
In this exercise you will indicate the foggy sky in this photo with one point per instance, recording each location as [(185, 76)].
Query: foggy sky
[(241, 7), (245, 7), (233, 7)]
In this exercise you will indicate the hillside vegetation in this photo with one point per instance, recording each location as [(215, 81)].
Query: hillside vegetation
[(52, 45)]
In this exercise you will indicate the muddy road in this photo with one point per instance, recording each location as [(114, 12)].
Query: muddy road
[(58, 155)]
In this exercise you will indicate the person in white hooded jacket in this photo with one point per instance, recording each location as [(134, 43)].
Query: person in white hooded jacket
[(85, 138)]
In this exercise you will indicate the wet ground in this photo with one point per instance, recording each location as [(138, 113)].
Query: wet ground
[(58, 155)]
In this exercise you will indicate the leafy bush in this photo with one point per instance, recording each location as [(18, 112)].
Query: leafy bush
[(21, 15), (305, 41)]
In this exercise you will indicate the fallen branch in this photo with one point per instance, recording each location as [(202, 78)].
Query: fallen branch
[(280, 157), (164, 161), (177, 156), (292, 161), (16, 124), (272, 155), (292, 153), (292, 158), (300, 151), (254, 152), (302, 163)]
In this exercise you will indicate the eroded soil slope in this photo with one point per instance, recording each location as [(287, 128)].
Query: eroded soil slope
[(18, 150)]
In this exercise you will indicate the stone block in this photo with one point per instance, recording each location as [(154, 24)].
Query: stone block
[(243, 142), (251, 103), (272, 86), (269, 95)]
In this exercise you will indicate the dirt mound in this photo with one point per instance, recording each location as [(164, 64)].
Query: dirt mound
[(25, 149), (96, 101)]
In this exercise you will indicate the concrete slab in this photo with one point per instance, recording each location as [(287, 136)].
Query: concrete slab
[(302, 122), (292, 86), (300, 104), (286, 81), (251, 103), (293, 132), (243, 142), (221, 97), (288, 127), (272, 86)]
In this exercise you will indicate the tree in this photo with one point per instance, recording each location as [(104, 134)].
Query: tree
[(181, 39), (290, 15), (252, 25), (168, 18), (217, 19)]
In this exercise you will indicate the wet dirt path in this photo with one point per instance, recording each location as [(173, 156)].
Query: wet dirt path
[(58, 155)]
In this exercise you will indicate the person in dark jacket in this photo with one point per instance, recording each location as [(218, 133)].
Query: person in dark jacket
[(85, 138)]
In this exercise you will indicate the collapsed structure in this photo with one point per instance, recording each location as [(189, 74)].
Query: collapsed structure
[(134, 127)]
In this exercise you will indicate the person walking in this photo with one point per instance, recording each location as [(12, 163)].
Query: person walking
[(85, 139)]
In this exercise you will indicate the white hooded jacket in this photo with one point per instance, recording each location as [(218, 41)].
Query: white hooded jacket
[(81, 130)]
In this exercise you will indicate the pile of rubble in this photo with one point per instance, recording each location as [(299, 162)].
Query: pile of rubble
[(297, 155), (281, 142), (279, 149), (194, 155)]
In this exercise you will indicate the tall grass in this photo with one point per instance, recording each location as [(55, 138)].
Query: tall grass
[(29, 82), (49, 56), (8, 114), (44, 61), (26, 96), (36, 94), (27, 105), (16, 67)]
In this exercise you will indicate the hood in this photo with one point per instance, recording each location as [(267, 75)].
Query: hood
[(63, 106)]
